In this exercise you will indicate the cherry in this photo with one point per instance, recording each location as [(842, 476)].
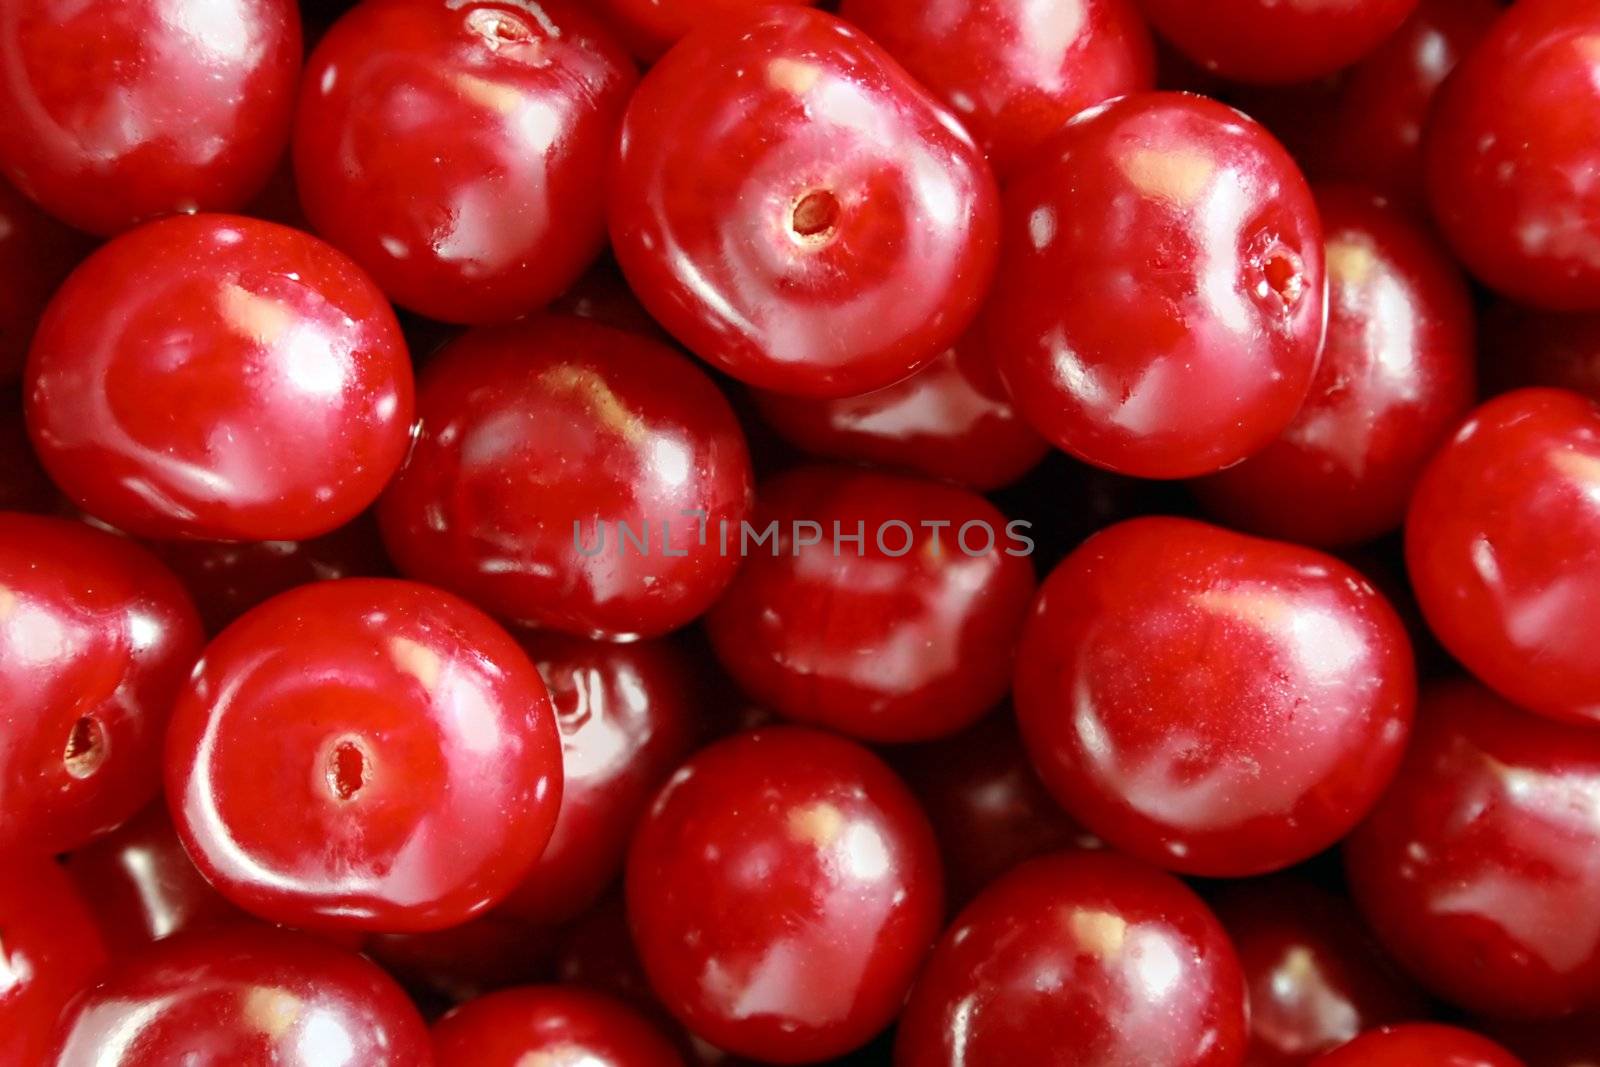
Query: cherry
[(797, 210), (1503, 547), (1316, 978), (1417, 1044), (1079, 959), (1269, 42), (550, 1024), (782, 890), (117, 111), (904, 633), (629, 714), (36, 253), (1397, 375), (952, 420), (219, 378), (364, 754), (455, 149), (571, 476), (1510, 152), (650, 27), (244, 996), (50, 948), (96, 638), (1014, 72), (1159, 306), (1474, 870), (1215, 703), (1526, 347)]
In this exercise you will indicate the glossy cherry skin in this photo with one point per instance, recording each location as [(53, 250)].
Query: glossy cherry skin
[(457, 150), (1315, 976), (1079, 959), (244, 996), (1014, 73), (951, 420), (797, 210), (536, 443), (50, 948), (1211, 702), (628, 714), (1524, 347), (1475, 870), (220, 378), (782, 891), (1503, 548), (117, 111), (36, 253), (1417, 1044), (364, 754), (905, 635), (96, 637), (1159, 306), (1268, 42), (1396, 377), (1510, 154), (554, 1024)]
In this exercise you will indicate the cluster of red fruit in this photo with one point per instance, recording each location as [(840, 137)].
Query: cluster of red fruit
[(333, 701)]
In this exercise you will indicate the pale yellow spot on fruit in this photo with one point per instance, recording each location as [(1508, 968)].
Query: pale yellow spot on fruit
[(259, 319), (419, 661), (1176, 175), (272, 1011), (603, 404), (819, 823), (1099, 933), (502, 99), (8, 603), (1578, 466), (793, 75), (1350, 262), (1251, 607)]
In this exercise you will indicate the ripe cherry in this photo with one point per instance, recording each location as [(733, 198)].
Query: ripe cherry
[(797, 210), (549, 1024), (50, 948), (36, 253), (1417, 1044), (366, 754)]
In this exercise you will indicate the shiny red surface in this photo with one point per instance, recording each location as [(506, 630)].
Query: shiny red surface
[(1079, 958), (1159, 306), (365, 754), (1476, 868), (1012, 71), (50, 948), (36, 253), (797, 210), (1397, 375), (1270, 42), (549, 1024), (906, 636), (1512, 147), (1211, 702), (1503, 548), (117, 111), (1524, 347), (782, 891), (455, 149), (628, 714), (219, 378), (96, 638), (246, 996), (537, 441), (1418, 1044)]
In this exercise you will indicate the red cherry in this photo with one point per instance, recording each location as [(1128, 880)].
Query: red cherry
[(245, 996), (1014, 73), (1211, 702), (1397, 375), (629, 714), (537, 443), (798, 211), (782, 891), (220, 378), (36, 253), (1269, 42), (364, 754), (1419, 1044), (1503, 547), (456, 150), (549, 1024), (1079, 959), (1159, 306), (1315, 977), (1526, 347), (904, 634), (650, 27), (50, 948), (117, 111), (96, 638), (1475, 869), (1511, 151), (952, 419)]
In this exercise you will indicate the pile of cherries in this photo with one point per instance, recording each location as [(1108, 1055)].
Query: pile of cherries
[(621, 533)]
